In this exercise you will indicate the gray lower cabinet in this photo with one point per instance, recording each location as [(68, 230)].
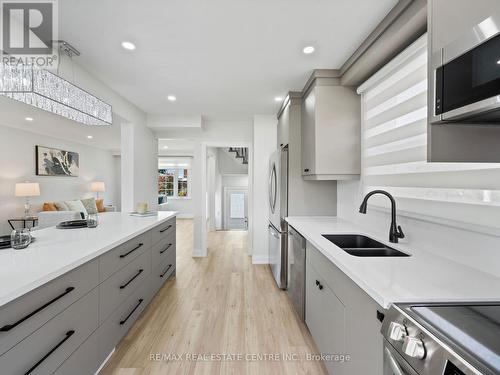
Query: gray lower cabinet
[(342, 318), (48, 347), (71, 324), (325, 317)]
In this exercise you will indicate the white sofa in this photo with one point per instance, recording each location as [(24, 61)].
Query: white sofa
[(52, 218)]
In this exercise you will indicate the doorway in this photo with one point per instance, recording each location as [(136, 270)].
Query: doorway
[(235, 208)]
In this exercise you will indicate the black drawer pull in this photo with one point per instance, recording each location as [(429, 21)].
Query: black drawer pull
[(320, 287), (8, 327), (131, 251), (306, 170), (68, 335), (165, 249), (132, 279), (122, 322), (165, 272), (167, 228)]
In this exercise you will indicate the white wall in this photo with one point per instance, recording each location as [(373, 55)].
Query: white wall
[(264, 138), (139, 168), (17, 164), (229, 164)]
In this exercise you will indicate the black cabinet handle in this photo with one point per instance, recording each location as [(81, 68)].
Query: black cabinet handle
[(122, 322), (318, 284), (306, 170), (68, 335), (165, 272), (165, 249), (132, 279), (167, 228), (8, 327), (131, 251), (380, 316)]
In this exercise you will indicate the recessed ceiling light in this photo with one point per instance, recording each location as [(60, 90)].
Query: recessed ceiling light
[(172, 98), (128, 45), (498, 62), (90, 136), (308, 50), (278, 99), (28, 118), (165, 147)]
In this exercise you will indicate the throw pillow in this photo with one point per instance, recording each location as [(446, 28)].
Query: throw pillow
[(90, 205), (100, 205), (49, 206), (77, 206), (61, 206)]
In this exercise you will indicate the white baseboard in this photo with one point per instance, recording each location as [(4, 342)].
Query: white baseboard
[(198, 253), (105, 361), (185, 216), (260, 259)]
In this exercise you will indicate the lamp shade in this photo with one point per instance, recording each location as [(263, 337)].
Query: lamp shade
[(97, 187), (27, 189)]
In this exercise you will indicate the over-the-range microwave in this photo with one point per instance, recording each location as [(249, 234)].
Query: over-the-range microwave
[(467, 77)]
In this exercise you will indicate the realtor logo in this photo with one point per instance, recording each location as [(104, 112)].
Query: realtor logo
[(28, 31)]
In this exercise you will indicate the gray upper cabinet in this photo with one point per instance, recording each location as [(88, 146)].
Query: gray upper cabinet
[(331, 121), (286, 117), (449, 21)]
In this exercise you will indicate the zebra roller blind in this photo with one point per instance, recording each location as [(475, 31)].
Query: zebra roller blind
[(394, 150)]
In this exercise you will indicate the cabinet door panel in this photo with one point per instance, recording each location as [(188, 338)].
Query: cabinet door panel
[(325, 317)]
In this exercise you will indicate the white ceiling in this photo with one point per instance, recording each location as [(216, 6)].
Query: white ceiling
[(218, 57)]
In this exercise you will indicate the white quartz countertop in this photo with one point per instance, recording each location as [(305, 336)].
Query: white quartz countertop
[(422, 277), (57, 251)]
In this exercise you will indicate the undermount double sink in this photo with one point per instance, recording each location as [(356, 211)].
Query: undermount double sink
[(362, 246)]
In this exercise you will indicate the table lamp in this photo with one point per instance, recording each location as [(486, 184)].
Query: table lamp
[(27, 190), (96, 187)]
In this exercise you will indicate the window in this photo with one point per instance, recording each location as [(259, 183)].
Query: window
[(394, 150), (173, 183)]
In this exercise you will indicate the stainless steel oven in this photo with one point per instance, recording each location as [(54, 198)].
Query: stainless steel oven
[(467, 76)]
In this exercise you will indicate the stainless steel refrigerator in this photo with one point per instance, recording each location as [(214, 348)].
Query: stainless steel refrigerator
[(278, 211)]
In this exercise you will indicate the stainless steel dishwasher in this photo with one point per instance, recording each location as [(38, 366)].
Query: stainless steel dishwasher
[(297, 271)]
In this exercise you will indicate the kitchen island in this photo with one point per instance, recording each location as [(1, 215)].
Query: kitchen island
[(69, 298)]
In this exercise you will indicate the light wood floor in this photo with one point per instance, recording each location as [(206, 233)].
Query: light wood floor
[(218, 304)]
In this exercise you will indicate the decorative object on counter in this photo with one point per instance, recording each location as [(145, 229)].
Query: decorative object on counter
[(78, 206), (142, 207), (27, 190), (93, 220), (55, 162), (90, 205), (97, 187), (20, 238), (72, 224), (100, 205), (24, 220), (144, 214), (5, 241)]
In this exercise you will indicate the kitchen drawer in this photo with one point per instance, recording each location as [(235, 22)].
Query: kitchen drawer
[(163, 230), (162, 249), (47, 348), (123, 254), (333, 276), (120, 321), (84, 361), (119, 286), (162, 272), (26, 314)]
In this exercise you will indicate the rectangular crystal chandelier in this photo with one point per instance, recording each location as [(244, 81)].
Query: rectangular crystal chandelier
[(45, 90)]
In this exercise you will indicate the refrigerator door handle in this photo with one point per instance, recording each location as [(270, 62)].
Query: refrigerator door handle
[(272, 189)]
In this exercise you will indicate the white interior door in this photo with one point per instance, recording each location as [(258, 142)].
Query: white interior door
[(236, 209)]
